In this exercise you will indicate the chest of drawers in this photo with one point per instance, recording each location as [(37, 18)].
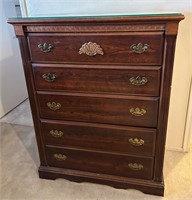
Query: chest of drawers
[(99, 91)]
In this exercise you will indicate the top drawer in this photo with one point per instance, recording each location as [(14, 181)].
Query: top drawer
[(101, 48)]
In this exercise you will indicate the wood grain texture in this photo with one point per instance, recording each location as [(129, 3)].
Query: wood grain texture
[(100, 109), (99, 79), (116, 48), (99, 137), (19, 30), (100, 162)]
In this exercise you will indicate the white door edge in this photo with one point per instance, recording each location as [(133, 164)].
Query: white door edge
[(23, 6)]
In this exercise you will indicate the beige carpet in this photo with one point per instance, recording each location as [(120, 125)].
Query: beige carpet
[(19, 163)]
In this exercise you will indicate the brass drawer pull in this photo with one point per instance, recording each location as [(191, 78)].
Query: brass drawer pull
[(60, 157), (56, 133), (45, 47), (91, 49), (139, 48), (136, 141), (138, 80), (54, 106), (49, 77), (137, 111), (135, 166)]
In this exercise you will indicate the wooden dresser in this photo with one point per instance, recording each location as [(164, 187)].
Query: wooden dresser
[(99, 91)]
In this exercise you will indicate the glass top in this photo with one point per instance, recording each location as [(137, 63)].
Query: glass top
[(100, 16)]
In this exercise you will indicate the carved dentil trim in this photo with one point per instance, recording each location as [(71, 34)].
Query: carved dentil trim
[(108, 28)]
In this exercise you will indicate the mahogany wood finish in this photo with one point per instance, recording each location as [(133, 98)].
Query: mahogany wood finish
[(101, 79), (100, 162), (116, 48), (90, 136), (101, 109), (93, 123)]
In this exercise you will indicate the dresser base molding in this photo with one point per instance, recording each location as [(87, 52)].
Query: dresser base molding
[(146, 186)]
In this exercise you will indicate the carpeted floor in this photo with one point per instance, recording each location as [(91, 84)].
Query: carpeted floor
[(19, 163)]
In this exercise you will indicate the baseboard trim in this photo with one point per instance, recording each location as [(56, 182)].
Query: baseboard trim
[(174, 149)]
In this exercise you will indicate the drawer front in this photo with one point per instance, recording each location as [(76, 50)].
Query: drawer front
[(136, 167), (125, 48), (109, 138), (112, 109), (99, 79)]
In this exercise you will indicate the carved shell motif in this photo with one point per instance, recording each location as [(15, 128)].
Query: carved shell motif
[(91, 49)]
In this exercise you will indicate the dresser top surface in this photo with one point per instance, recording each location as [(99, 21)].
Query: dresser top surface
[(97, 18)]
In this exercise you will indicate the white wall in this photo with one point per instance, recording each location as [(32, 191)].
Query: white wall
[(181, 82), (12, 84), (95, 7), (183, 60)]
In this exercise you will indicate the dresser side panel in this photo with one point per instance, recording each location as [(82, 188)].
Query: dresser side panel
[(32, 96), (167, 70)]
